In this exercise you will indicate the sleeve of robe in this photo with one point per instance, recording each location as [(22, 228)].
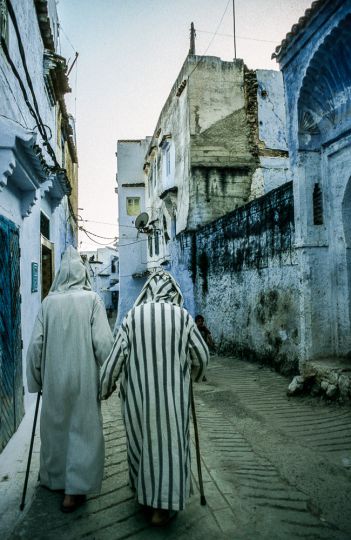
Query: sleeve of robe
[(112, 368), (199, 354), (34, 355), (100, 332)]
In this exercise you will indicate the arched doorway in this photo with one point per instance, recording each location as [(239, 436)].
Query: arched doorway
[(323, 196)]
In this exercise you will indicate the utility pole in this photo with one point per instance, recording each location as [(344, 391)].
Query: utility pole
[(192, 39), (234, 29), (74, 61)]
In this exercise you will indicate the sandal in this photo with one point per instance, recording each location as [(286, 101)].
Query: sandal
[(71, 502), (161, 518)]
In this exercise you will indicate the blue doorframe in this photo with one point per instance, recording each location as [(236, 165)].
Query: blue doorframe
[(11, 383)]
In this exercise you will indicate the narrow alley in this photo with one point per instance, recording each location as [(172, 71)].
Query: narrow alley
[(175, 193), (274, 467)]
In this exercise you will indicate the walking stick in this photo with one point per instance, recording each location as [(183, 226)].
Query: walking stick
[(30, 452), (197, 446)]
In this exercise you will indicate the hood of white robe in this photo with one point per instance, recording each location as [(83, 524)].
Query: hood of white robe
[(73, 273), (160, 287)]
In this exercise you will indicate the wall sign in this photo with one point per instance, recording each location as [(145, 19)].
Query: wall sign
[(34, 277)]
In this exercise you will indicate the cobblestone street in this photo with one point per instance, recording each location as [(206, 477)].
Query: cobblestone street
[(274, 468)]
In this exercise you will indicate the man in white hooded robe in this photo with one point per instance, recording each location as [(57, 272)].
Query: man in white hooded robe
[(156, 348), (70, 340)]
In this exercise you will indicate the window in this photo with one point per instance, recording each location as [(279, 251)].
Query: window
[(154, 173), (133, 206), (168, 160), (4, 27), (168, 165), (157, 243), (149, 240), (63, 150), (44, 225), (165, 231)]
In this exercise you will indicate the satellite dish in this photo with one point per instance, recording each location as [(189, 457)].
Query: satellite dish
[(142, 220)]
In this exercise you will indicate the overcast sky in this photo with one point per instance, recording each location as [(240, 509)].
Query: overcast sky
[(130, 53)]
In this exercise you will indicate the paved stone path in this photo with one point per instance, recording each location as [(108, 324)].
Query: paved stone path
[(274, 468)]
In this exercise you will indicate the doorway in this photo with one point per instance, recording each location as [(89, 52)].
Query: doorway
[(47, 266)]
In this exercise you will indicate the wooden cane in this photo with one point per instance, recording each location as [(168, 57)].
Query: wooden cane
[(197, 446), (30, 452)]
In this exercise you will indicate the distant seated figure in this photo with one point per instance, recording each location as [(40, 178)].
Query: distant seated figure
[(204, 331)]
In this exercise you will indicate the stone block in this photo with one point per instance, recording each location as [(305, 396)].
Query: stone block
[(324, 385), (344, 384), (331, 391), (296, 386), (315, 389)]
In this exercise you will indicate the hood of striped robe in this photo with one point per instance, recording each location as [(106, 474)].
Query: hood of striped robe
[(73, 273), (160, 287)]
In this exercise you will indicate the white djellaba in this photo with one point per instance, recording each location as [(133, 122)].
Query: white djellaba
[(70, 340)]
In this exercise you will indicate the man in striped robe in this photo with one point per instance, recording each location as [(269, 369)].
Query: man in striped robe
[(157, 349)]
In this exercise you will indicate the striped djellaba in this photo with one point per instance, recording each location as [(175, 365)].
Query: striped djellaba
[(157, 349)]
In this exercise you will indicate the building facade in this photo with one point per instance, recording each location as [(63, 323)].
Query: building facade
[(104, 274), (314, 59), (38, 183), (132, 243), (219, 143)]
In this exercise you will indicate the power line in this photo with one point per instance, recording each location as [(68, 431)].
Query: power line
[(97, 235), (75, 61), (96, 242), (13, 120), (35, 113), (66, 36), (238, 37), (107, 223), (100, 222), (211, 40)]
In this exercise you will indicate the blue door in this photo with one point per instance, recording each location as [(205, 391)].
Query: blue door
[(11, 385)]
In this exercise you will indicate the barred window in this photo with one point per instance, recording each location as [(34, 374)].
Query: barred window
[(150, 245), (157, 243), (133, 206), (317, 205)]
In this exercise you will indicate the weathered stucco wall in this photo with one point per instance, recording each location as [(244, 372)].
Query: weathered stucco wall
[(317, 78), (222, 155), (244, 274), (172, 126), (132, 243), (15, 112)]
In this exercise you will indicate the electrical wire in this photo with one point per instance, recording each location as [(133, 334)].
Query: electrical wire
[(13, 95), (61, 29), (96, 242), (211, 40), (38, 121), (99, 222), (106, 223), (23, 58), (20, 82), (131, 243), (97, 235), (76, 66), (35, 113), (16, 122), (238, 37)]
